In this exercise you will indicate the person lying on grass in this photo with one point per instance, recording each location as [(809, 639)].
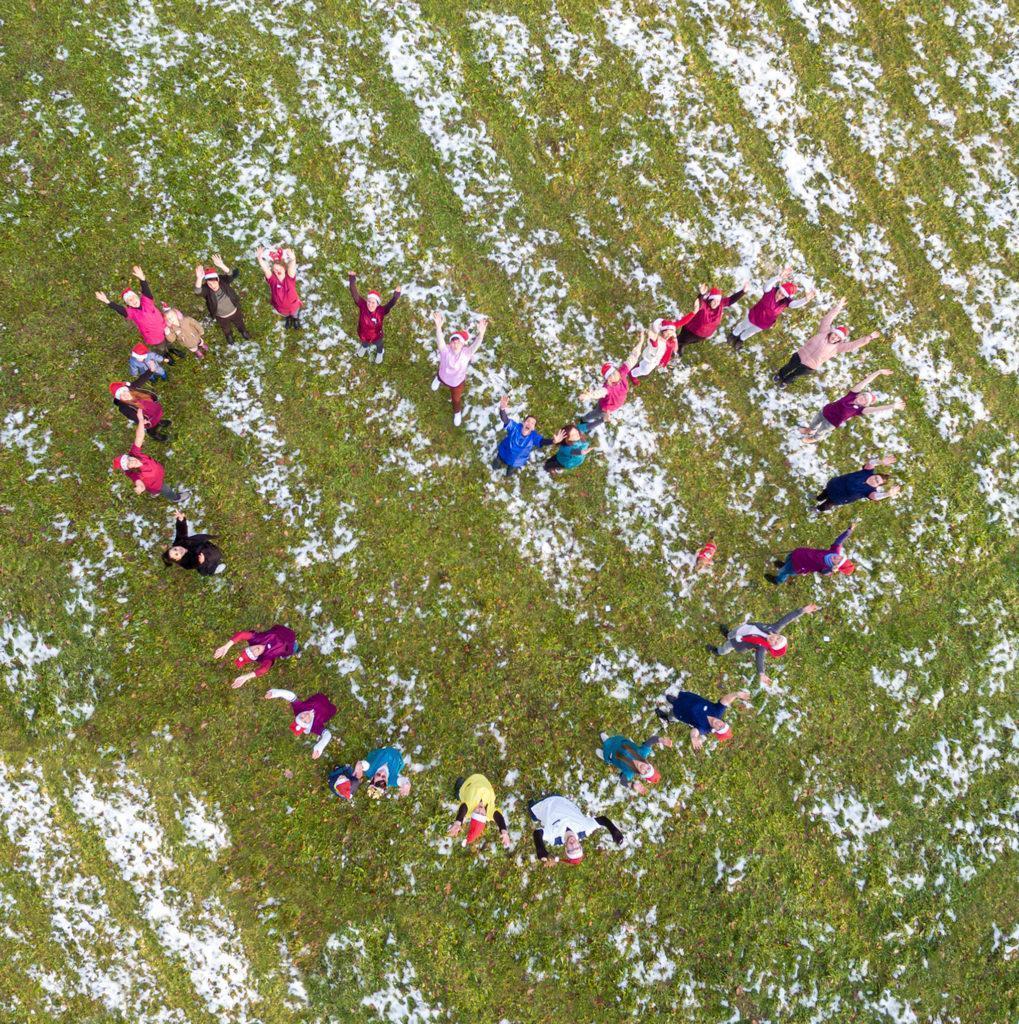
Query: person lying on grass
[(142, 311), (381, 769), (572, 448), (635, 770), (521, 439), (825, 561), (194, 552), (863, 484), (705, 717), (134, 402), (855, 402), (660, 345), (261, 650), (761, 638), (612, 395), (310, 716), (143, 471), (456, 353), (778, 296), (477, 798), (562, 823), (707, 314)]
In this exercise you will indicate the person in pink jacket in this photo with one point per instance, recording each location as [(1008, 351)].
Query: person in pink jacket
[(281, 277), (613, 393), (778, 296), (711, 304), (456, 353), (828, 342), (142, 311)]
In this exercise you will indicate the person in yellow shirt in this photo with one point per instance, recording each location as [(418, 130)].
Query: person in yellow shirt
[(477, 799)]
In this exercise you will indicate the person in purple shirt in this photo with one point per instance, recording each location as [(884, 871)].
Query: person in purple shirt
[(705, 717), (310, 716), (802, 561), (856, 402), (521, 439), (864, 483)]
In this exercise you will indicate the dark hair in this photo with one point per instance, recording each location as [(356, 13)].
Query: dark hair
[(167, 560), (571, 426)]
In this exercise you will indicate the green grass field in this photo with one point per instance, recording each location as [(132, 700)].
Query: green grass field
[(170, 852)]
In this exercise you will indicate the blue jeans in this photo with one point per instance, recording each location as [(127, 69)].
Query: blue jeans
[(786, 571)]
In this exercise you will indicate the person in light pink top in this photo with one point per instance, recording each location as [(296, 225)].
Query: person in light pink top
[(456, 353), (281, 277), (827, 342)]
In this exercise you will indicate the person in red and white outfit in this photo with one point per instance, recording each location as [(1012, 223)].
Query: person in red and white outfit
[(280, 269), (310, 716), (707, 314), (370, 314), (779, 292), (662, 342)]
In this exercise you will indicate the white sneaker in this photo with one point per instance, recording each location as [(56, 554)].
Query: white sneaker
[(378, 355), (435, 383), (362, 350), (457, 418)]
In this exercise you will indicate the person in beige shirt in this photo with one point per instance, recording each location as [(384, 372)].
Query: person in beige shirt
[(827, 342)]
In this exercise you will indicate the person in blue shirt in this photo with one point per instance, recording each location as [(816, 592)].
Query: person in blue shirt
[(705, 717), (520, 440), (572, 449), (381, 770), (632, 759), (864, 483)]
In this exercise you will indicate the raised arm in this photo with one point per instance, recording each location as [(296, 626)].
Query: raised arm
[(217, 262), (802, 300), (291, 258), (790, 617), (503, 415), (199, 279), (539, 845), (352, 285), (869, 379), (884, 410), (139, 431), (829, 318), (143, 378), (634, 357), (263, 261), (476, 344), (180, 532), (393, 301), (316, 751), (440, 341), (115, 307), (852, 346), (140, 274)]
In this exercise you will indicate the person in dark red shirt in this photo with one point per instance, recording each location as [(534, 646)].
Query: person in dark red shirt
[(370, 314), (855, 402), (707, 314), (143, 471)]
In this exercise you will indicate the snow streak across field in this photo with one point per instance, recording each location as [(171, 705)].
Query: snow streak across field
[(169, 852)]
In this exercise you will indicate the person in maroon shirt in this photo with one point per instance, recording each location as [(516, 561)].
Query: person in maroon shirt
[(855, 402), (370, 314), (707, 314), (143, 471)]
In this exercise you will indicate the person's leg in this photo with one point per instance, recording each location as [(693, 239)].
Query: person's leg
[(552, 466), (380, 349), (166, 491), (594, 418), (786, 571), (497, 462), (296, 321), (363, 348), (685, 338), (457, 398), (783, 374), (456, 788), (510, 470), (226, 325), (726, 647), (238, 319), (825, 505)]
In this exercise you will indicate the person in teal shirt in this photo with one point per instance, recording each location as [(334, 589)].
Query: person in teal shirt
[(632, 759), (573, 449), (381, 770)]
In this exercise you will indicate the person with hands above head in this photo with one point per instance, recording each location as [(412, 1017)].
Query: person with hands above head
[(825, 561), (261, 650), (779, 295), (142, 311), (864, 483), (310, 716), (193, 552), (560, 822), (280, 270), (763, 638), (370, 314), (826, 343), (456, 353), (612, 395), (635, 770), (709, 307), (521, 439), (143, 471), (381, 769), (705, 717), (476, 796), (573, 448), (855, 402), (215, 285), (140, 405)]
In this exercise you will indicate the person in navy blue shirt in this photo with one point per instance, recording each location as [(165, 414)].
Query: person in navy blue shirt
[(705, 717), (520, 440), (864, 483)]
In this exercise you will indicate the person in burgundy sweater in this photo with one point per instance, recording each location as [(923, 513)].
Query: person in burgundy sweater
[(612, 395), (280, 270), (370, 314), (139, 404), (261, 651), (803, 561), (143, 312), (707, 314), (310, 716), (143, 471), (855, 402), (778, 296)]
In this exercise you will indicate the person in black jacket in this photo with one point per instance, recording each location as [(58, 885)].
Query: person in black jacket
[(214, 285), (194, 552)]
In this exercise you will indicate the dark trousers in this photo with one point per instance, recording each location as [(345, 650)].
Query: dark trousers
[(497, 463), (792, 369), (380, 345), (685, 338), (824, 503), (228, 323)]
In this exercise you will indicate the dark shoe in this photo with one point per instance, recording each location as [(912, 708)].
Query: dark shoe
[(245, 336), (737, 344), (725, 631), (663, 714), (778, 564), (770, 578), (296, 323), (711, 648), (229, 339), (777, 378)]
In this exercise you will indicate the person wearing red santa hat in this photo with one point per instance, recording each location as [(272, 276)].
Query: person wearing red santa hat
[(215, 285), (635, 770), (310, 716), (611, 396), (456, 353), (477, 797), (261, 650), (662, 342), (825, 561), (761, 638), (280, 270), (855, 402), (562, 823), (779, 295), (370, 314), (144, 359), (140, 405), (826, 343), (705, 717), (143, 471), (142, 311), (707, 314)]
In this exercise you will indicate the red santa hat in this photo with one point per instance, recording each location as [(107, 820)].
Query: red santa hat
[(120, 462), (723, 735), (341, 787), (847, 568), (713, 292), (116, 386), (140, 350), (276, 255), (209, 273), (652, 776), (478, 822), (244, 658), (374, 295), (576, 856), (462, 335), (297, 729), (789, 287), (842, 329), (606, 369)]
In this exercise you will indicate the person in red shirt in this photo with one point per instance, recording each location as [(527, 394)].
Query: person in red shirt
[(612, 395), (707, 314), (370, 314), (779, 292), (281, 277), (143, 471)]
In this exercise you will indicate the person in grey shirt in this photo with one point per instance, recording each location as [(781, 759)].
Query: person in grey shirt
[(762, 638), (214, 284)]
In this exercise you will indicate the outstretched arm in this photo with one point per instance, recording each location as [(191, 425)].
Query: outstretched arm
[(884, 410), (282, 695), (263, 260), (617, 836), (316, 751), (393, 301), (439, 339), (539, 845), (114, 306), (869, 379), (829, 318), (352, 285), (139, 430), (180, 532), (852, 346)]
